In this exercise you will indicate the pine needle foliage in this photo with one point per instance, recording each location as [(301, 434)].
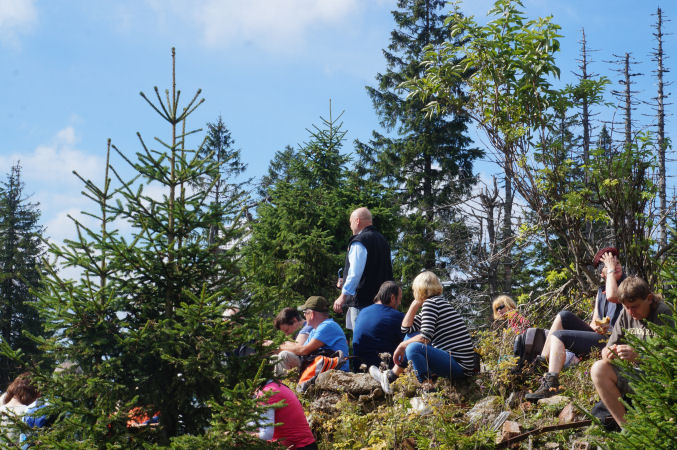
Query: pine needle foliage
[(144, 321), (20, 252)]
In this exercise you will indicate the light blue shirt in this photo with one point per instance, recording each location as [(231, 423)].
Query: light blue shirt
[(357, 258), (332, 336)]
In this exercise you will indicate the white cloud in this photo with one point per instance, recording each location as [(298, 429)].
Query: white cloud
[(16, 17), (268, 24), (47, 175)]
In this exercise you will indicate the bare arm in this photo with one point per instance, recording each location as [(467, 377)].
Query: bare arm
[(302, 350), (408, 320), (611, 284), (398, 354)]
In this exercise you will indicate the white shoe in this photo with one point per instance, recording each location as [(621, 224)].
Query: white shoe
[(382, 378)]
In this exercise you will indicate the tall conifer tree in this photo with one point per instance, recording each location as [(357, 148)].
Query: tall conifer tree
[(20, 252), (427, 160)]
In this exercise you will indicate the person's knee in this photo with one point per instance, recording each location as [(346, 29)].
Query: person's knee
[(601, 371), (413, 349), (565, 315)]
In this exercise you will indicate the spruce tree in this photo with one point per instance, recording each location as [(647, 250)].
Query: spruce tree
[(20, 252), (299, 238), (426, 160), (225, 189), (144, 321)]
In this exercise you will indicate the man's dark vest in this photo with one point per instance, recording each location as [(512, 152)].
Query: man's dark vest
[(377, 269)]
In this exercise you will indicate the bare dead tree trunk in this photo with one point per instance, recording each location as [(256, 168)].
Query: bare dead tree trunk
[(658, 57), (507, 231), (583, 74)]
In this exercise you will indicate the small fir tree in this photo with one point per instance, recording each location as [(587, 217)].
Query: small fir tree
[(144, 322)]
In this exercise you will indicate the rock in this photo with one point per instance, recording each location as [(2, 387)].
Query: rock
[(485, 410), (326, 403), (552, 445), (509, 430), (556, 400), (338, 381), (420, 406), (580, 445), (568, 414)]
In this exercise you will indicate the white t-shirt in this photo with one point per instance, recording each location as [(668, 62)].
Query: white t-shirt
[(13, 408)]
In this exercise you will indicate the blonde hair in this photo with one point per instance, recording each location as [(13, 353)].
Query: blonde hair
[(505, 300), (426, 285)]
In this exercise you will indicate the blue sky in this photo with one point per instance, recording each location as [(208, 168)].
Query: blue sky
[(71, 72)]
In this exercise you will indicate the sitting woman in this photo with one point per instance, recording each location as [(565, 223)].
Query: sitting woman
[(292, 429), (15, 402), (441, 345), (505, 309)]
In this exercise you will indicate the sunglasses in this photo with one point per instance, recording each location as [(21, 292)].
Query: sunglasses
[(499, 308)]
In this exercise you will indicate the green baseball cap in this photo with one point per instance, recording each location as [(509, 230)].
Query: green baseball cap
[(316, 303)]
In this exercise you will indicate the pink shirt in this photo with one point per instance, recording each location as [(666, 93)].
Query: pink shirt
[(293, 429)]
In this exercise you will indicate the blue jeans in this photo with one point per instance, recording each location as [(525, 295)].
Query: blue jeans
[(428, 360)]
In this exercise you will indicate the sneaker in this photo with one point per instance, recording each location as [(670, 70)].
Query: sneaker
[(549, 387), (381, 377)]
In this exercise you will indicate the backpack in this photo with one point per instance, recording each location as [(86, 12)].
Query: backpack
[(528, 346), (313, 365)]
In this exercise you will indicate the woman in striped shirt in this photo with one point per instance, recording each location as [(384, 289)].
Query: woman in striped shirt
[(438, 342), (443, 346)]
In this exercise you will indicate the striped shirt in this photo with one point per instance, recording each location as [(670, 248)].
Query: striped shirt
[(443, 327)]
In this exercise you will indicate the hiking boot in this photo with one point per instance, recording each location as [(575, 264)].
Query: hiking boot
[(549, 387), (381, 377)]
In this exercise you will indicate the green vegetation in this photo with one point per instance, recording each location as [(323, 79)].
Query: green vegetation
[(179, 268)]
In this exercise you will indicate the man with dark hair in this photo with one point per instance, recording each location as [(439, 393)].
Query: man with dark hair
[(288, 321), (640, 306), (378, 327), (367, 266)]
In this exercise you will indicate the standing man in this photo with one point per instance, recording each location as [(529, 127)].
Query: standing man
[(367, 266)]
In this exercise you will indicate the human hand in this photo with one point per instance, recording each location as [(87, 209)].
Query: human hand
[(602, 326), (625, 352), (339, 283), (338, 303), (398, 354), (286, 346), (609, 261), (415, 305)]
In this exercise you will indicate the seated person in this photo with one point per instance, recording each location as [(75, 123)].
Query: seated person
[(14, 403), (326, 335), (292, 430), (505, 309), (288, 321), (568, 332), (377, 329), (639, 306), (442, 346)]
